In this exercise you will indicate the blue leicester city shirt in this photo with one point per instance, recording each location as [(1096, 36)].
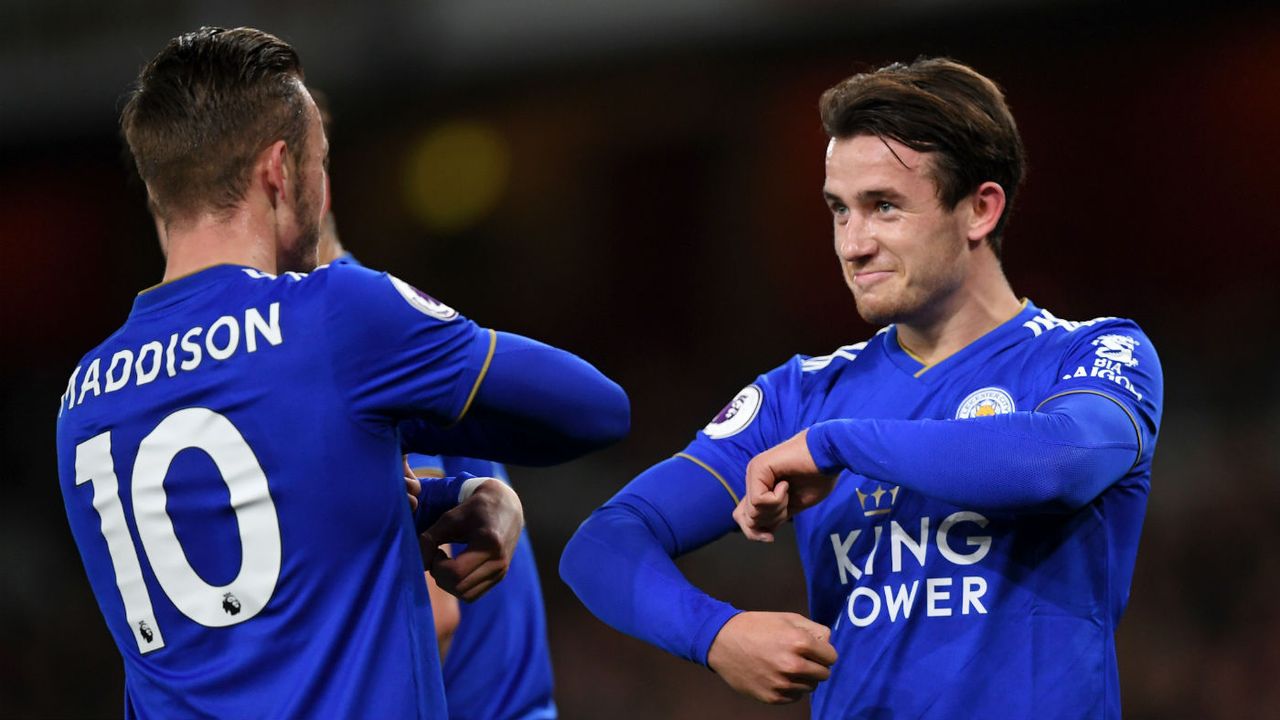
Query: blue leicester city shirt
[(499, 663), (940, 610), (231, 472)]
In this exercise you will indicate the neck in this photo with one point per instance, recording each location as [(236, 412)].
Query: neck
[(210, 241), (330, 249), (976, 308)]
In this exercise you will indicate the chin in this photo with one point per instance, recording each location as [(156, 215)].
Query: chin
[(877, 311)]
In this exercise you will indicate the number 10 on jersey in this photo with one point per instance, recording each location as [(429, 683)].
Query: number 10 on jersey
[(259, 526)]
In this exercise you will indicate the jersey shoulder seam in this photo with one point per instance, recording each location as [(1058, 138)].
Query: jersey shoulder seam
[(848, 353)]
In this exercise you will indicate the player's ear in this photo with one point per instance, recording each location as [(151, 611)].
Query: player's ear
[(273, 173), (985, 206)]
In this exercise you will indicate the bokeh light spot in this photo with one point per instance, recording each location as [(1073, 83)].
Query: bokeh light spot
[(455, 175)]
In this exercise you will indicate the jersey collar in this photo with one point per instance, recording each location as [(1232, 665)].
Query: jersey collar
[(165, 295), (1002, 335)]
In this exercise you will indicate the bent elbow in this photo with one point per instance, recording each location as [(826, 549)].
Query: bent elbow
[(594, 426), (613, 417), (1066, 493), (574, 564)]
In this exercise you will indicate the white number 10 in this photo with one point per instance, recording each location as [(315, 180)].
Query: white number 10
[(259, 526)]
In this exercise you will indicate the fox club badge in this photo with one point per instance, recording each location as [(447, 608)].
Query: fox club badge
[(986, 402)]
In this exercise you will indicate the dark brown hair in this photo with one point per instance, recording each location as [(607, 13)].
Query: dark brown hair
[(202, 110), (938, 106)]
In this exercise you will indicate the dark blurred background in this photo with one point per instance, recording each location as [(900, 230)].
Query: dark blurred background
[(640, 182)]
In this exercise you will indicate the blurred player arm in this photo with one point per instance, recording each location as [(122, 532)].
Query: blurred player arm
[(1057, 458), (445, 612), (532, 405), (621, 565)]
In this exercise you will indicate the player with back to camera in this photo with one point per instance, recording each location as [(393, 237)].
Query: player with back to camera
[(975, 474), (494, 651), (230, 458)]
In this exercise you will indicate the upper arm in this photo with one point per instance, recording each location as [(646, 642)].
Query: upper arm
[(398, 352), (1116, 362), (534, 405), (760, 416)]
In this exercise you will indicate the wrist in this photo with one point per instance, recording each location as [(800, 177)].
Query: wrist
[(705, 637), (823, 451), (469, 486)]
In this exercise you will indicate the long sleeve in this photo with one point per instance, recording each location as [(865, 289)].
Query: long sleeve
[(533, 405), (1055, 459), (621, 565)]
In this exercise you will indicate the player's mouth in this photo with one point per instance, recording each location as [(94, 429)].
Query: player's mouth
[(867, 278)]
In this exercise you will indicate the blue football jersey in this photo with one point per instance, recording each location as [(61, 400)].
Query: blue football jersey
[(231, 471), (499, 663), (938, 610)]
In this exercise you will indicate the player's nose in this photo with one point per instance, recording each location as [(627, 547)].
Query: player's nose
[(855, 241)]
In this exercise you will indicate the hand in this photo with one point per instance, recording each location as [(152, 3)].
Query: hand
[(781, 481), (773, 657), (445, 612), (489, 524), (412, 485)]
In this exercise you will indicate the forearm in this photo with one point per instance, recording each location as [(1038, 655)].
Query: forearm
[(622, 573), (535, 405), (620, 561), (1055, 460)]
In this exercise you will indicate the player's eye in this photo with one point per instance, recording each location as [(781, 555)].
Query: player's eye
[(838, 210), (884, 206)]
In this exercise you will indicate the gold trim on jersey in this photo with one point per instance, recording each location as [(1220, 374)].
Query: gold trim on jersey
[(484, 370), (930, 366), (711, 470)]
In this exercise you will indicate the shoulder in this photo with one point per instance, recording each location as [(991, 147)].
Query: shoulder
[(805, 374), (1046, 324), (1113, 334), (841, 357), (361, 289), (1113, 348), (840, 363)]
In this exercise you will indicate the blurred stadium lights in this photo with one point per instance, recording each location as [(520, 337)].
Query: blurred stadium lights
[(454, 175)]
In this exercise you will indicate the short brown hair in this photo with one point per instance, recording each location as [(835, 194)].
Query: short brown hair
[(202, 110), (938, 106)]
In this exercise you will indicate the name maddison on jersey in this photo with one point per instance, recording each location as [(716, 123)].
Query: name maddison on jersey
[(956, 538), (181, 351)]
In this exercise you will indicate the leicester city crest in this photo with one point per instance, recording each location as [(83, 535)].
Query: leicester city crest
[(985, 402)]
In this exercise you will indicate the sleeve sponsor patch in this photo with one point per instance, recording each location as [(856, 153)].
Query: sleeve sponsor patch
[(737, 415), (1117, 348), (1113, 355), (423, 302)]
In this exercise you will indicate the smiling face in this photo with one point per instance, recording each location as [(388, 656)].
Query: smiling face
[(902, 252)]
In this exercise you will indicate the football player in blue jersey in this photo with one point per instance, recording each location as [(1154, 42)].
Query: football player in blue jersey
[(967, 486), (230, 459), (498, 663), (496, 660)]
